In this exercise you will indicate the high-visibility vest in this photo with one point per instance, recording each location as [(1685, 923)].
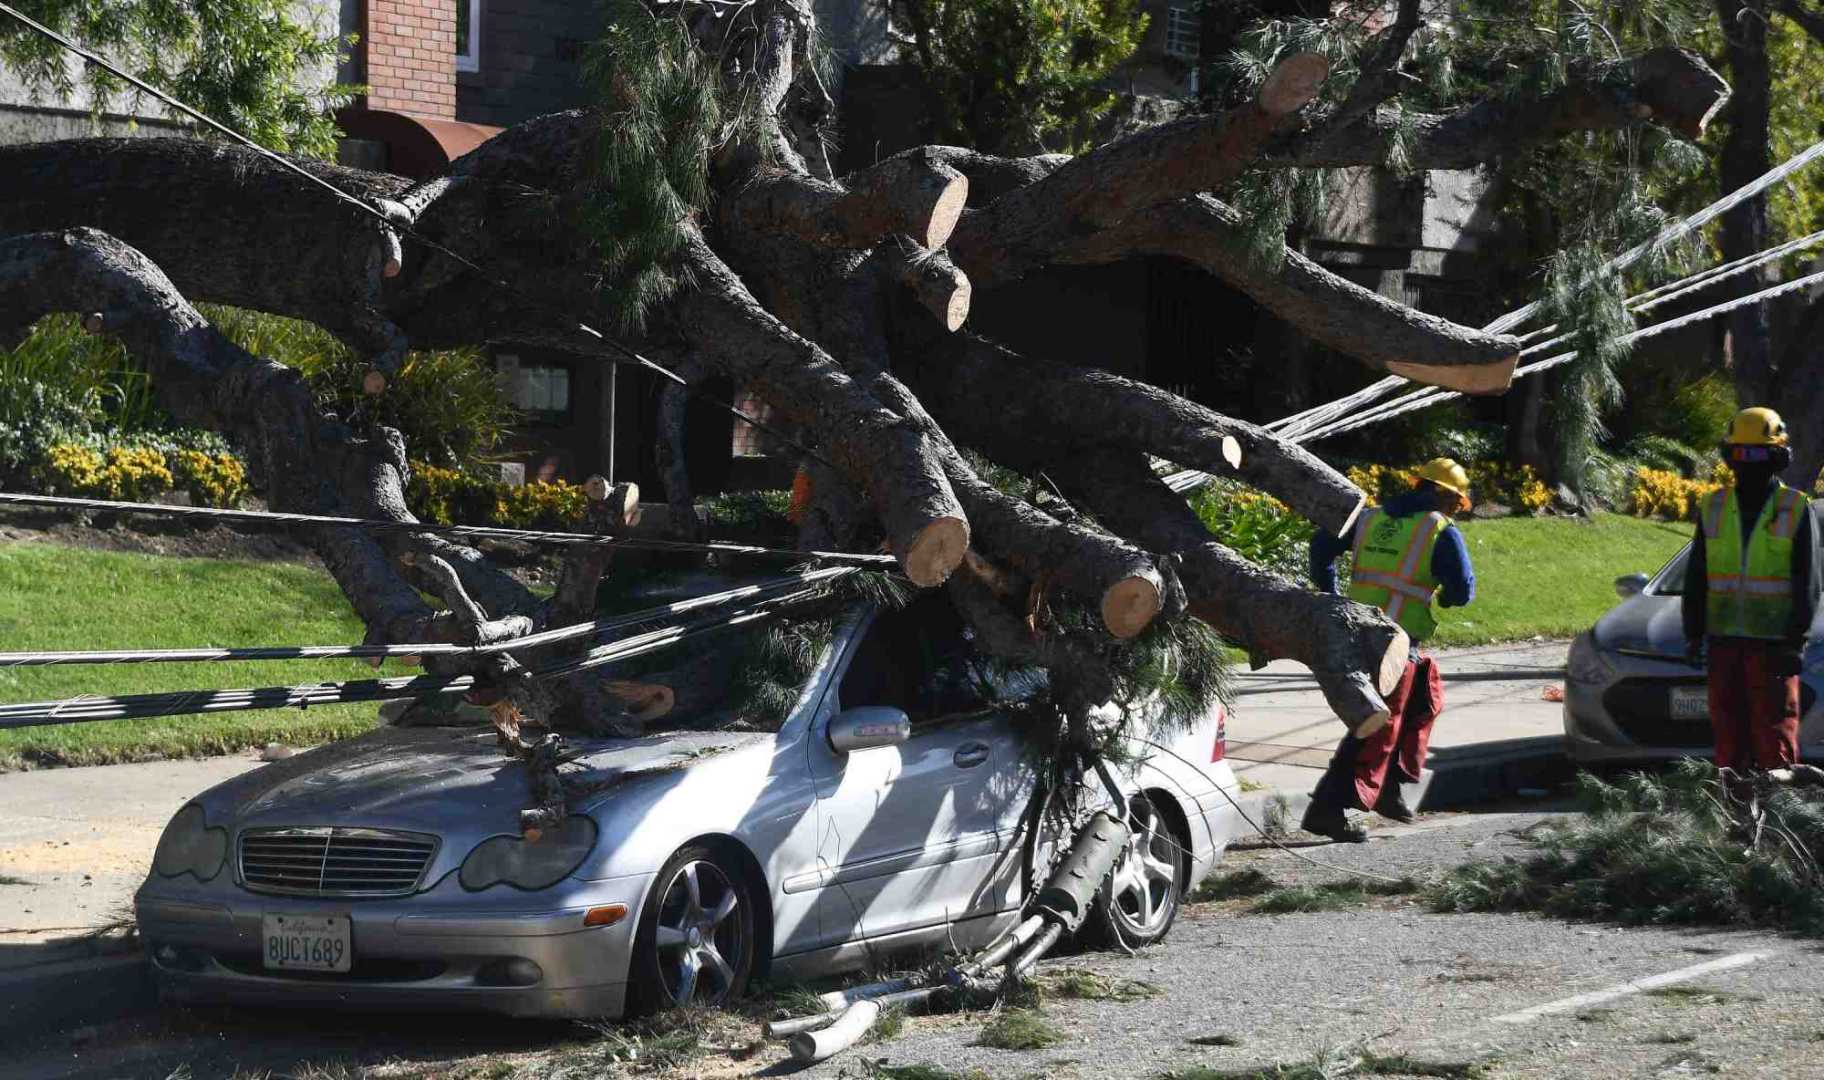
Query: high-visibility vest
[(1749, 590), (1392, 567)]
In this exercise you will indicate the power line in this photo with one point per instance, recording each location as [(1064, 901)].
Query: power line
[(403, 227), (477, 532)]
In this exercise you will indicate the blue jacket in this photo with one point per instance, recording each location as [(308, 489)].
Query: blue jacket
[(1449, 555)]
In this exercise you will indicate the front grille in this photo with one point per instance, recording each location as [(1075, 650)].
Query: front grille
[(334, 861)]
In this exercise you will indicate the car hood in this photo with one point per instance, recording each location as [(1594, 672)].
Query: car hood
[(439, 779), (1644, 624)]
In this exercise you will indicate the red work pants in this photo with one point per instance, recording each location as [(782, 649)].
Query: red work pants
[(1754, 713), (1359, 771)]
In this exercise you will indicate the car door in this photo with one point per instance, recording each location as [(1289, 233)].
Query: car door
[(907, 833)]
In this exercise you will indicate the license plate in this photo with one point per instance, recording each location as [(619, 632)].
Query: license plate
[(306, 942), (1690, 703)]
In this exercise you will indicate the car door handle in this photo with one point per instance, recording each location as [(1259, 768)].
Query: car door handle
[(969, 755)]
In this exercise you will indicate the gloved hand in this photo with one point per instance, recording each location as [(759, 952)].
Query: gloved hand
[(1786, 662)]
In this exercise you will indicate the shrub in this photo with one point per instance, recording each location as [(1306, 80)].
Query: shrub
[(1657, 493), (449, 496), (132, 473), (1256, 526), (448, 404)]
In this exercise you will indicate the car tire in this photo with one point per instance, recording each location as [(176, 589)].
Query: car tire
[(1138, 903), (696, 941)]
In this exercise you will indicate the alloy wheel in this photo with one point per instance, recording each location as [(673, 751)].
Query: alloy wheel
[(700, 941), (1146, 878)]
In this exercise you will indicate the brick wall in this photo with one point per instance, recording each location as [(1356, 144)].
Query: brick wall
[(411, 56), (529, 60)]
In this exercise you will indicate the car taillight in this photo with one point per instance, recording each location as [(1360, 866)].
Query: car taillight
[(1221, 749)]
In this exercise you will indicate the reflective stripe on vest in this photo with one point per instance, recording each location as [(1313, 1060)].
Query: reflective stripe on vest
[(1749, 588), (1391, 568)]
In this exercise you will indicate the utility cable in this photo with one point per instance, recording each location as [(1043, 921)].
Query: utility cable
[(1432, 395), (477, 532), (1269, 837), (144, 706), (1321, 414), (593, 628), (402, 227)]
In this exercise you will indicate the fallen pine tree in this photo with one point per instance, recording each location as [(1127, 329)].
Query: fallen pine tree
[(693, 216)]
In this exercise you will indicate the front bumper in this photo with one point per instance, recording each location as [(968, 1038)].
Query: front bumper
[(1595, 734), (442, 949)]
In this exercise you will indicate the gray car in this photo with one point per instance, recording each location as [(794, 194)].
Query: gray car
[(1631, 696), (387, 871)]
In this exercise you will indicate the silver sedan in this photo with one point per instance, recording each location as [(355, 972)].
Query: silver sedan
[(1632, 696), (387, 871)]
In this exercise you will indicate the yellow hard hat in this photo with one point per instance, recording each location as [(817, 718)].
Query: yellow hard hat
[(1756, 427), (1448, 475)]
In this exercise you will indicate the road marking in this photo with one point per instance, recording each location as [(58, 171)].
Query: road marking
[(1652, 982)]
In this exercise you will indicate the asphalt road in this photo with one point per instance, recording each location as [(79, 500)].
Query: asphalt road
[(1523, 997)]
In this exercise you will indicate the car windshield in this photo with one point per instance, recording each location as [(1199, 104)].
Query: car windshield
[(740, 678), (1670, 581)]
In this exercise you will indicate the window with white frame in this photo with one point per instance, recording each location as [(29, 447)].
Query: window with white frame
[(1183, 32), (468, 35)]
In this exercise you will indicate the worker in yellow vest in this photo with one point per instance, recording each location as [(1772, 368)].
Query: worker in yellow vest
[(1751, 588), (1405, 555)]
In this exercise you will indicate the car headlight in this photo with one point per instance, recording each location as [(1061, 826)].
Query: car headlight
[(1586, 663), (190, 846), (528, 864)]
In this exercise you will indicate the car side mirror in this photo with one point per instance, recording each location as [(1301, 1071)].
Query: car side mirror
[(868, 726), (1631, 585)]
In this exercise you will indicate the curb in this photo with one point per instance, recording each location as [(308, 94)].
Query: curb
[(1458, 782)]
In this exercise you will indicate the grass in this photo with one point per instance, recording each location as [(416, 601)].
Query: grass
[(1234, 885), (54, 597), (1330, 896), (1551, 577), (1019, 1029), (1661, 849), (1079, 984)]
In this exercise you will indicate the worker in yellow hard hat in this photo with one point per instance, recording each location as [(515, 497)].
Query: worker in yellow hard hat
[(1405, 555), (1751, 588)]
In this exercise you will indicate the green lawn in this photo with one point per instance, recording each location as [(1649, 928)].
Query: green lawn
[(1551, 576), (54, 597)]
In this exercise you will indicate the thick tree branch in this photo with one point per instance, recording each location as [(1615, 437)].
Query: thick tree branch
[(1670, 87), (878, 451), (202, 378), (1270, 616), (1027, 414), (914, 193), (1028, 227), (1333, 311), (930, 277)]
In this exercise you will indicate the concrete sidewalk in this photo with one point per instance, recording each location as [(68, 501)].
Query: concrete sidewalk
[(1495, 735)]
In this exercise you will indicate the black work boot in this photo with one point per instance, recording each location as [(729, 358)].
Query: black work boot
[(1392, 804), (1330, 821)]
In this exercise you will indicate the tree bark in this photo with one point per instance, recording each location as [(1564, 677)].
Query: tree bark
[(1382, 334), (1670, 87)]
